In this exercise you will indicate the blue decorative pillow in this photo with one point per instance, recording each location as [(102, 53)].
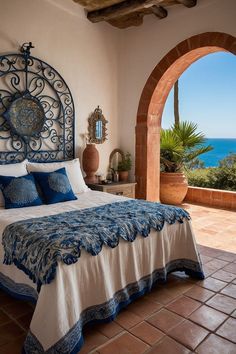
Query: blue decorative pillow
[(55, 186), (19, 192)]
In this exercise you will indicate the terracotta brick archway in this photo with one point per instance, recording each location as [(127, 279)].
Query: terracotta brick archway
[(153, 99)]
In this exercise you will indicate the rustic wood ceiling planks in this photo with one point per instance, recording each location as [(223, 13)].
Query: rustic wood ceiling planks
[(126, 13)]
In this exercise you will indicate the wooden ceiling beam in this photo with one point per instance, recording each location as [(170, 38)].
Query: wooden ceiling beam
[(121, 9), (159, 11), (187, 3)]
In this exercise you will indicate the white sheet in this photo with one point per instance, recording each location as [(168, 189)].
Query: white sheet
[(94, 280)]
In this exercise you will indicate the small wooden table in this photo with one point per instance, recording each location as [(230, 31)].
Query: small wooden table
[(127, 189)]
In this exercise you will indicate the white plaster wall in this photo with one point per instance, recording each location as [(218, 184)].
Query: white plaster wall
[(84, 54), (103, 65), (143, 47)]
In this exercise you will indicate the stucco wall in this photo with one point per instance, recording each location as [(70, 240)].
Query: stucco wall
[(84, 54), (142, 48), (103, 65)]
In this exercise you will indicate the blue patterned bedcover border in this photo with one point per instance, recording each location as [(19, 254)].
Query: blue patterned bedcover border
[(18, 290), (37, 245), (73, 341)]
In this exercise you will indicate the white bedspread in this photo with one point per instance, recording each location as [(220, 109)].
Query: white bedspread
[(94, 280)]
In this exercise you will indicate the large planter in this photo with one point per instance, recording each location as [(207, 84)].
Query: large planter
[(90, 162), (173, 187)]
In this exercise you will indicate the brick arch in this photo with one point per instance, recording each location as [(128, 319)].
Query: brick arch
[(153, 98)]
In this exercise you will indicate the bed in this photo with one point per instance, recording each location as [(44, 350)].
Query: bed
[(96, 287), (95, 281)]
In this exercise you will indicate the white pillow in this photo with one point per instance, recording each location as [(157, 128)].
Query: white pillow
[(14, 170), (72, 169)]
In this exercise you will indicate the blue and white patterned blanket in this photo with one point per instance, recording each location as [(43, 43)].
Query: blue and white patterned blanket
[(37, 245)]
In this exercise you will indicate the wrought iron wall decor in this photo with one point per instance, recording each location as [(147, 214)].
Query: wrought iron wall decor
[(36, 110), (97, 127)]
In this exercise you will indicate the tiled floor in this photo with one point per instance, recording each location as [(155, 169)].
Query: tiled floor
[(214, 228), (180, 317)]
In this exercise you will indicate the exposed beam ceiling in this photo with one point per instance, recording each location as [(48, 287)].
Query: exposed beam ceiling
[(120, 9), (159, 11), (187, 3), (126, 13)]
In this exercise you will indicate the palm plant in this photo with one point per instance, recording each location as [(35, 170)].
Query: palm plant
[(181, 144)]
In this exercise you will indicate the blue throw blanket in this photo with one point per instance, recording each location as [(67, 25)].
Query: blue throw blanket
[(37, 245)]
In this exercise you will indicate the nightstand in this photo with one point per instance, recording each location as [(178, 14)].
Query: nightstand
[(126, 189)]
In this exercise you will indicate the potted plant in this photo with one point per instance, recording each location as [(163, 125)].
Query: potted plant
[(124, 166), (178, 146)]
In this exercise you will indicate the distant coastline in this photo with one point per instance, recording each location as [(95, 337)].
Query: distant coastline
[(222, 148)]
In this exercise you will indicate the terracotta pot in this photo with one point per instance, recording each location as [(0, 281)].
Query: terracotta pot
[(173, 187), (90, 162), (123, 176)]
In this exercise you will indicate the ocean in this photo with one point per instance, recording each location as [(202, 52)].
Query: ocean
[(222, 148)]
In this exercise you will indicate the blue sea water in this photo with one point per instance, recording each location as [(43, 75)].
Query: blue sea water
[(222, 148)]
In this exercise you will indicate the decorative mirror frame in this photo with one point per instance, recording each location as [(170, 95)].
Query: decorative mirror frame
[(113, 153), (36, 110), (95, 117)]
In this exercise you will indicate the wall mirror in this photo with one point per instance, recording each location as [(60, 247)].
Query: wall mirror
[(97, 127), (116, 156)]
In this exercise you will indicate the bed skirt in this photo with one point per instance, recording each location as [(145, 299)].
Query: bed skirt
[(72, 342)]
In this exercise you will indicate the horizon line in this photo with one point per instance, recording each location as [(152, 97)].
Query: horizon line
[(208, 137)]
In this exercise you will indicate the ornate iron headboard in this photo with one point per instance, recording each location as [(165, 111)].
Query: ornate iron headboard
[(36, 110)]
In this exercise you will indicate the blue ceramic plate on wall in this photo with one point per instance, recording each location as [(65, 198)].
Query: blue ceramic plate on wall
[(25, 116)]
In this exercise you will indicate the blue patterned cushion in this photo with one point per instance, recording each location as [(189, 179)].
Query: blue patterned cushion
[(55, 186), (19, 192)]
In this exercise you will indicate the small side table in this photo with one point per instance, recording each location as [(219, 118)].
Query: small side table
[(127, 189)]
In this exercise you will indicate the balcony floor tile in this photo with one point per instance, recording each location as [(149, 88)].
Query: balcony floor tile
[(180, 317)]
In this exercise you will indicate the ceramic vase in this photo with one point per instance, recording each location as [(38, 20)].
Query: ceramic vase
[(90, 162)]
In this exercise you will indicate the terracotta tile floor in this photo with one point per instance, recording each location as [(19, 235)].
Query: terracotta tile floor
[(183, 316), (214, 228)]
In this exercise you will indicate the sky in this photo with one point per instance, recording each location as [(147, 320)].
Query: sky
[(207, 96)]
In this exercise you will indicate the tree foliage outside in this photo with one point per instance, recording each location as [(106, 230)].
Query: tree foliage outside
[(180, 145), (195, 164), (221, 177), (176, 102)]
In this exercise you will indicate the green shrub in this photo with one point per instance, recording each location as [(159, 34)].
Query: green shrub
[(229, 161), (198, 177), (222, 177)]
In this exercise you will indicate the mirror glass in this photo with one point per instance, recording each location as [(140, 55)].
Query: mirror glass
[(97, 127), (98, 131), (116, 156)]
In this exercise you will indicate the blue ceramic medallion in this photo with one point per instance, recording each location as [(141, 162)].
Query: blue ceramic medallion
[(25, 116)]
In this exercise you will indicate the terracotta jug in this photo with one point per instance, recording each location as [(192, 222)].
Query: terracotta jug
[(90, 162)]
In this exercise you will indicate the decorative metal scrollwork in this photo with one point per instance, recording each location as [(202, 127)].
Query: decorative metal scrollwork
[(36, 110)]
